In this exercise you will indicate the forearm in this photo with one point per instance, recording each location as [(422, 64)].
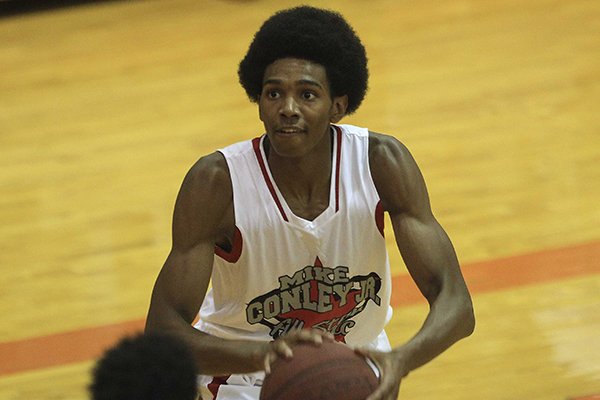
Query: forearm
[(450, 319), (217, 356), (214, 356)]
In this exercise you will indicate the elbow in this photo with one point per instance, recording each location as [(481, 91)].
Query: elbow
[(151, 327), (462, 314), (157, 322), (467, 319)]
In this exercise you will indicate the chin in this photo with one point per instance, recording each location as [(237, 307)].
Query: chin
[(287, 151)]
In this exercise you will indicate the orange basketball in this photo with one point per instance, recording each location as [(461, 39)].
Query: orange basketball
[(332, 371)]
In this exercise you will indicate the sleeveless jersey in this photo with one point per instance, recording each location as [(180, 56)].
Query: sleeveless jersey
[(284, 272)]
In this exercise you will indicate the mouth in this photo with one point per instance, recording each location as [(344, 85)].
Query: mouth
[(289, 130)]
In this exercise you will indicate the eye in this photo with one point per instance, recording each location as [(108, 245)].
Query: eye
[(308, 95), (272, 94)]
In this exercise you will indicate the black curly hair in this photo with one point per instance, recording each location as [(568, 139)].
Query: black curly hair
[(313, 34), (149, 367)]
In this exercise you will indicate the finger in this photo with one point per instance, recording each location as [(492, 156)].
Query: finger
[(371, 358), (269, 358), (282, 349), (321, 333), (306, 335), (324, 335), (378, 394), (267, 364), (387, 390), (311, 336), (387, 385), (362, 351)]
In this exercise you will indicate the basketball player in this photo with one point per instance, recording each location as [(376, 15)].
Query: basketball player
[(149, 367), (289, 225)]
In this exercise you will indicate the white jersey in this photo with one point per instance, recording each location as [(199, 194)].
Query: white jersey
[(284, 272)]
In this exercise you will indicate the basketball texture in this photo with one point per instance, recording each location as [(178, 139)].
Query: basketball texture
[(332, 371)]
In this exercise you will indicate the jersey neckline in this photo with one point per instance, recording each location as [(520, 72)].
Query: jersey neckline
[(334, 190)]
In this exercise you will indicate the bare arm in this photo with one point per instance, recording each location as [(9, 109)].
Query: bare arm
[(199, 221), (427, 253), (203, 216)]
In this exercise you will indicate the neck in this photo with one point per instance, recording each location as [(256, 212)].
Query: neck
[(304, 175)]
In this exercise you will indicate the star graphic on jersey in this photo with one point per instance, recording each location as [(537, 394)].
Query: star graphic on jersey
[(316, 297)]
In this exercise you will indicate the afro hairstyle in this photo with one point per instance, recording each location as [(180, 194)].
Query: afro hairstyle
[(149, 367), (320, 36)]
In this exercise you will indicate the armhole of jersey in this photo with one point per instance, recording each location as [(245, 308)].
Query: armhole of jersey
[(338, 164), (216, 383), (369, 165), (380, 218), (379, 211), (233, 255)]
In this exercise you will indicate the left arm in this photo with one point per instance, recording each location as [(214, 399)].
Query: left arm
[(429, 257)]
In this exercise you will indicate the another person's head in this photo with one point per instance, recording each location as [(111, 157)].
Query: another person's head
[(148, 367), (307, 33)]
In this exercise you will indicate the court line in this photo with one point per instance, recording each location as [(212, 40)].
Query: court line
[(531, 268), (87, 344), (62, 348)]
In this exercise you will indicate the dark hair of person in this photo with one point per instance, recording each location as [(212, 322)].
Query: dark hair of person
[(320, 36), (149, 367)]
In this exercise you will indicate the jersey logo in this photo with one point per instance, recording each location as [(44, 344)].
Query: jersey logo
[(315, 297)]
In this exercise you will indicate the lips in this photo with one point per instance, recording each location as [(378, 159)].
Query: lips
[(291, 130)]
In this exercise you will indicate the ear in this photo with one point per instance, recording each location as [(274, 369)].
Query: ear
[(338, 108)]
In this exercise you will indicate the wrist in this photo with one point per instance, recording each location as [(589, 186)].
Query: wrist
[(258, 354), (404, 356)]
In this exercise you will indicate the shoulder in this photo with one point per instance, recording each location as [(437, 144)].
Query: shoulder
[(386, 151), (204, 199), (209, 169), (208, 179), (395, 173)]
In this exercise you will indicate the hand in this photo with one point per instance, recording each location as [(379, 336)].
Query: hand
[(282, 346), (391, 370)]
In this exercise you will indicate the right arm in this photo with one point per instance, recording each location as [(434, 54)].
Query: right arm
[(200, 211), (202, 217)]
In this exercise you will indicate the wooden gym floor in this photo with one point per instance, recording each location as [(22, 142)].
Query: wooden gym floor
[(104, 107)]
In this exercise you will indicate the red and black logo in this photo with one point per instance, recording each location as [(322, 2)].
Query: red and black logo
[(315, 297)]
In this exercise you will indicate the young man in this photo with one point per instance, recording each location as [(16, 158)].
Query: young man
[(289, 225), (149, 367)]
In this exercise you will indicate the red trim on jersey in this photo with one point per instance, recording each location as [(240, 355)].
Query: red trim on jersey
[(337, 167), (263, 168), (216, 383), (236, 248), (379, 218)]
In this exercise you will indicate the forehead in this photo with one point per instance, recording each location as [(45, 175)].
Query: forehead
[(296, 70)]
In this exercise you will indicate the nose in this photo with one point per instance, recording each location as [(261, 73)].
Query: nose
[(289, 107)]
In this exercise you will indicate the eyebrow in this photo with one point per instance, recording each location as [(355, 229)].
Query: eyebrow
[(310, 82)]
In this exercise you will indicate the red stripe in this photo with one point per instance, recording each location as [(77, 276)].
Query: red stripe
[(263, 168), (63, 348), (482, 277), (236, 248), (514, 271), (337, 167), (216, 384)]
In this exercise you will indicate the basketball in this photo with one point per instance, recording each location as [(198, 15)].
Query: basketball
[(332, 371)]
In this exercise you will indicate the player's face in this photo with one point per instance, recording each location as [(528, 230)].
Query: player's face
[(296, 106)]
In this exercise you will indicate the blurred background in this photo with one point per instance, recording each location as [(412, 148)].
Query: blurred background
[(104, 106)]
